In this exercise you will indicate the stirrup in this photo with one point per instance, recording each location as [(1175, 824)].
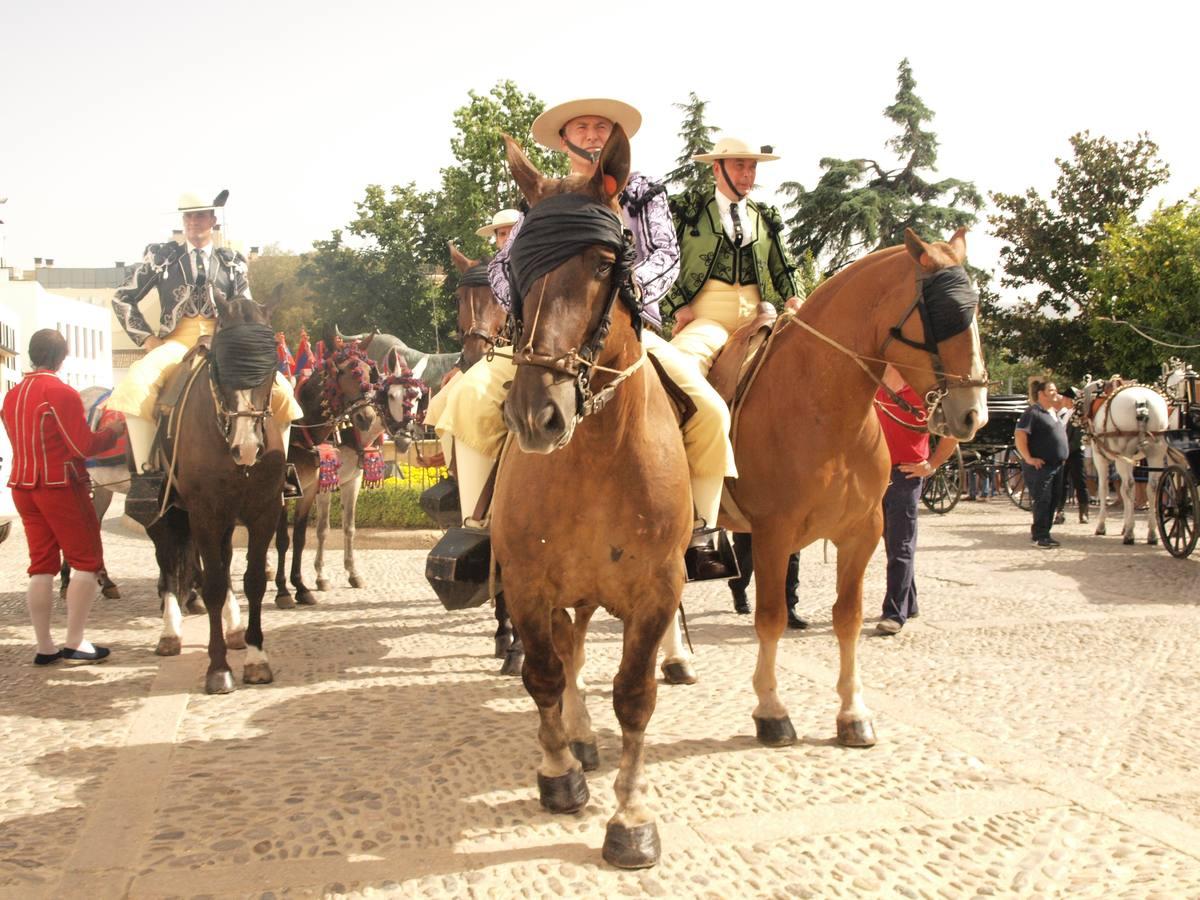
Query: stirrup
[(291, 483), (144, 500), (458, 568), (440, 502), (710, 556)]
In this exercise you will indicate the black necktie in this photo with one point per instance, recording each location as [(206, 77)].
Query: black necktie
[(737, 225), (200, 277)]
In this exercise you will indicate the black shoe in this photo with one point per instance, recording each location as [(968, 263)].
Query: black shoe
[(1060, 519), (794, 621), (741, 605), (144, 500), (709, 556), (291, 484), (1083, 517), (83, 657), (47, 659), (1047, 544)]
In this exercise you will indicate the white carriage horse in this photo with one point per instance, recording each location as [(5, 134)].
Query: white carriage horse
[(1125, 425)]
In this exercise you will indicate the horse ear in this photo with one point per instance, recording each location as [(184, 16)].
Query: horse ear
[(612, 170), (958, 245), (460, 260), (918, 250), (524, 173)]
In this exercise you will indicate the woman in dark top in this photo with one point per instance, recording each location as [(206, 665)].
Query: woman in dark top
[(1041, 439)]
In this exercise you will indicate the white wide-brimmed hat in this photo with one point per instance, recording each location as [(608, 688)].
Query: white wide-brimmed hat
[(506, 218), (193, 203), (734, 148), (548, 125)]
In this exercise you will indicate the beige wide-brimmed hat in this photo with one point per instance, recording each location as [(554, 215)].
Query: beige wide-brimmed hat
[(734, 148), (193, 203), (506, 218), (547, 126)]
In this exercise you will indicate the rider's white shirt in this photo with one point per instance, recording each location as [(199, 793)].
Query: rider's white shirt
[(723, 204)]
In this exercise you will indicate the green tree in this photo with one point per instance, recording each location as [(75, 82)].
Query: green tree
[(1053, 245), (862, 205), (274, 270), (697, 137), (1149, 276)]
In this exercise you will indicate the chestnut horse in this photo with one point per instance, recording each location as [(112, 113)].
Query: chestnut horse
[(593, 508), (823, 366), (483, 326), (227, 466)]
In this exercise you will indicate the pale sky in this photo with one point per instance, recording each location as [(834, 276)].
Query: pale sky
[(111, 110)]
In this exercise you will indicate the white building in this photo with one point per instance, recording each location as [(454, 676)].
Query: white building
[(26, 307)]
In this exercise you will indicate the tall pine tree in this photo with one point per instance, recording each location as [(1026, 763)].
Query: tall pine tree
[(861, 205), (697, 137)]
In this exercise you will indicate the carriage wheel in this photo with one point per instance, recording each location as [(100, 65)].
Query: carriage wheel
[(943, 488), (1176, 502), (1014, 479)]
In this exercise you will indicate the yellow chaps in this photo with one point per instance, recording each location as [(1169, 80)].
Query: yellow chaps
[(720, 309), (471, 409), (138, 391)]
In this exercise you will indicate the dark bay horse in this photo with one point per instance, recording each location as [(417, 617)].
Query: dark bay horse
[(482, 326), (593, 508), (822, 368), (340, 397), (227, 466)]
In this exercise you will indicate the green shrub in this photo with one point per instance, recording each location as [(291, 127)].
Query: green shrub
[(396, 504)]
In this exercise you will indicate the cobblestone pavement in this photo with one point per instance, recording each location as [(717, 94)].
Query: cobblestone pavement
[(1035, 725)]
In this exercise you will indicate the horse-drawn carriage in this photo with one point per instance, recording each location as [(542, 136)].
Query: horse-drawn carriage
[(990, 454), (1177, 498)]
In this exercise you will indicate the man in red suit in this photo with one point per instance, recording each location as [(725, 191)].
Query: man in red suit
[(51, 442)]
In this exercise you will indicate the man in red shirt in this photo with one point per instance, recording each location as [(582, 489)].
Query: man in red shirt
[(51, 442), (911, 464)]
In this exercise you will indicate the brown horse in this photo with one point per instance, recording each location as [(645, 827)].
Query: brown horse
[(822, 369), (227, 467), (341, 396), (594, 509), (483, 325)]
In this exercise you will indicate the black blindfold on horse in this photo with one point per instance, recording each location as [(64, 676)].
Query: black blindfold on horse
[(561, 227), (946, 302), (243, 355)]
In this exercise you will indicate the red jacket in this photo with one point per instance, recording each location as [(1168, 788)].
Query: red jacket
[(904, 444), (49, 433)]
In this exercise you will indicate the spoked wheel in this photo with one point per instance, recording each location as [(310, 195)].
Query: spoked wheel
[(1014, 479), (1176, 503), (943, 488)]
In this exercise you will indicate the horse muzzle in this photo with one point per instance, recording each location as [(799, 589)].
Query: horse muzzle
[(961, 413), (540, 411)]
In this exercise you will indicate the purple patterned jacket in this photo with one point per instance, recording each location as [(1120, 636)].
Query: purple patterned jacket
[(647, 214)]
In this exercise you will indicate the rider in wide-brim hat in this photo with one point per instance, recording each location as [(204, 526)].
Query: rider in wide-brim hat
[(471, 423), (500, 227)]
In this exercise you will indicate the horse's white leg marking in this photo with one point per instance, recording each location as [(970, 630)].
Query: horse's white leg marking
[(765, 685), (231, 614), (674, 648), (350, 488), (172, 616), (255, 656)]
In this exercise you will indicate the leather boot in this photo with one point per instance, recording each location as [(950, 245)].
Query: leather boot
[(291, 483), (144, 500)]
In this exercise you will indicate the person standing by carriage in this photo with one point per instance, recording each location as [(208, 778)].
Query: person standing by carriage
[(908, 446), (189, 278), (51, 443), (1041, 440), (1072, 470), (731, 261), (471, 424)]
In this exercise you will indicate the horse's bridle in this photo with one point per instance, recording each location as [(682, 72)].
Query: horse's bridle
[(501, 338), (410, 384)]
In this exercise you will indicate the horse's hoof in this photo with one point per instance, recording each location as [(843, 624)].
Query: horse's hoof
[(1100, 529), (236, 640), (257, 673), (513, 661), (285, 601), (679, 672), (631, 848), (856, 733), (219, 682), (563, 793), (1127, 540), (503, 642), (322, 584), (587, 753), (111, 592), (194, 606), (775, 732), (306, 598), (169, 646), (356, 581)]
